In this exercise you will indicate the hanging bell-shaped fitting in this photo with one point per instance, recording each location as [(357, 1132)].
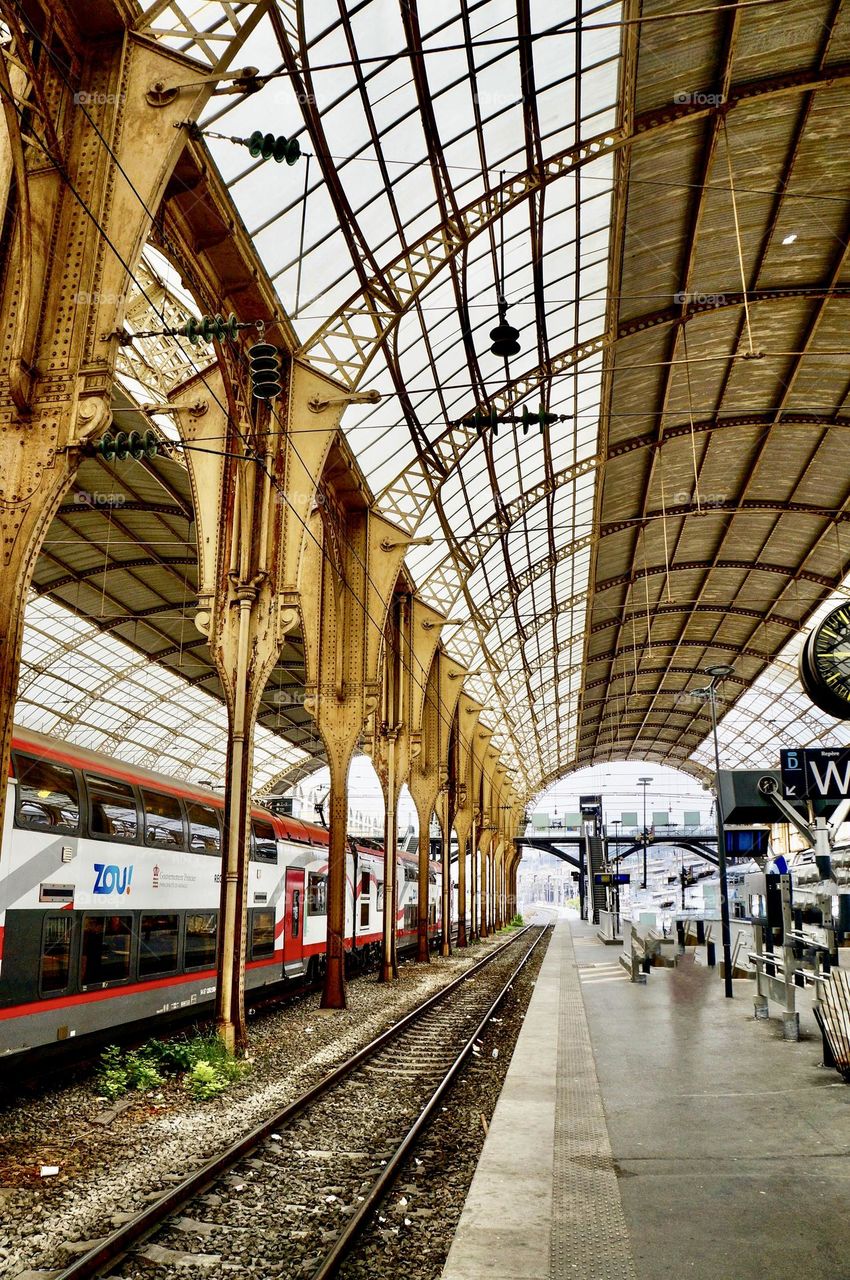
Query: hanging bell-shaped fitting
[(505, 338), (265, 371)]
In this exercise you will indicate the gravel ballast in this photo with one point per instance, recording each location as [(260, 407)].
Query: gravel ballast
[(113, 1158), (412, 1236)]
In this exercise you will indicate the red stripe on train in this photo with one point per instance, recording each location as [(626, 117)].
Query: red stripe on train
[(180, 979), (131, 988)]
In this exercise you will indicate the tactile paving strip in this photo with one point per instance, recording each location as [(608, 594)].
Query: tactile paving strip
[(589, 1240)]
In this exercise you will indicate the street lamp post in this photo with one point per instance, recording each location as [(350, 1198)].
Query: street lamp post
[(644, 782), (615, 823), (719, 673)]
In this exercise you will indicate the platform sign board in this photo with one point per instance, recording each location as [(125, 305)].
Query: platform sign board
[(746, 843), (612, 877), (815, 773)]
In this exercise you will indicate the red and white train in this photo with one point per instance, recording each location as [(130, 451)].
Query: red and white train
[(109, 894)]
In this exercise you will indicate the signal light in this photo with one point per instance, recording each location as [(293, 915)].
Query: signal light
[(265, 371), (268, 147), (121, 446)]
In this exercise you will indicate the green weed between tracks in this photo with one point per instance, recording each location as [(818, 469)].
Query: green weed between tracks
[(203, 1061)]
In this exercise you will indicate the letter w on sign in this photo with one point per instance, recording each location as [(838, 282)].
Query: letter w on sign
[(816, 773)]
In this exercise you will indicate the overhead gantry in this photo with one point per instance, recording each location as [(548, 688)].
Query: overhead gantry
[(97, 161)]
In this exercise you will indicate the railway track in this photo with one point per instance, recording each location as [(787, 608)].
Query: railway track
[(291, 1197), (22, 1074)]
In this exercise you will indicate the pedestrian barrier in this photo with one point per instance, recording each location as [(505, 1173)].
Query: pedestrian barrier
[(637, 960), (832, 1013)]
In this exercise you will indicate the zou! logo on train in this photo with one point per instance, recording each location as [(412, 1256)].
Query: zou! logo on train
[(109, 878)]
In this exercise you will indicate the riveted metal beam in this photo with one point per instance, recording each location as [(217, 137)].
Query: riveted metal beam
[(364, 323)]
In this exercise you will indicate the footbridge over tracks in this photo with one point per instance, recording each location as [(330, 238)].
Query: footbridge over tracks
[(569, 846)]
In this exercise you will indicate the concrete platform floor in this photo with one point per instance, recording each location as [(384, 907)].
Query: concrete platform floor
[(730, 1145)]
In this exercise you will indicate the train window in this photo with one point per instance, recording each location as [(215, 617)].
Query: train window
[(204, 831), (106, 949), (48, 795), (262, 934), (317, 895), (56, 954), (411, 916), (201, 929), (263, 842), (411, 873), (365, 897), (112, 810), (158, 937), (163, 821)]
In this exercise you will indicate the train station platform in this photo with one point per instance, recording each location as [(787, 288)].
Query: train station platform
[(654, 1131)]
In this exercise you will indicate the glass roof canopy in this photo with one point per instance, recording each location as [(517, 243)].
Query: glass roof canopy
[(774, 713), (95, 691), (405, 119)]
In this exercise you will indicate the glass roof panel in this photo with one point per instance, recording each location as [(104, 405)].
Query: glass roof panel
[(398, 140), (774, 712), (96, 692)]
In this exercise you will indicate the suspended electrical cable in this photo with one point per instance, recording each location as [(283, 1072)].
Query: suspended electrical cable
[(737, 234), (249, 455)]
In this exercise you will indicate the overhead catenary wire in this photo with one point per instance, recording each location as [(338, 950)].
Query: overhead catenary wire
[(130, 274), (737, 233), (249, 456), (562, 28), (716, 10)]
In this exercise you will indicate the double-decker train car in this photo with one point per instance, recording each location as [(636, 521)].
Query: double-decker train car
[(109, 892)]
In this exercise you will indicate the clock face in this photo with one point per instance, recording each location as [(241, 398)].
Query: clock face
[(825, 664)]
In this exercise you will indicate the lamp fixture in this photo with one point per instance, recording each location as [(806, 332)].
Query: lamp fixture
[(504, 338)]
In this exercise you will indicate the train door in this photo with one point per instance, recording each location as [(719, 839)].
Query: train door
[(293, 920)]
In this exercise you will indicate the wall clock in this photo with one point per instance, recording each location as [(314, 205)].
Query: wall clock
[(825, 663)]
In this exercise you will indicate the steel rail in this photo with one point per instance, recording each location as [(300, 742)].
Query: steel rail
[(116, 1246), (342, 1247)]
